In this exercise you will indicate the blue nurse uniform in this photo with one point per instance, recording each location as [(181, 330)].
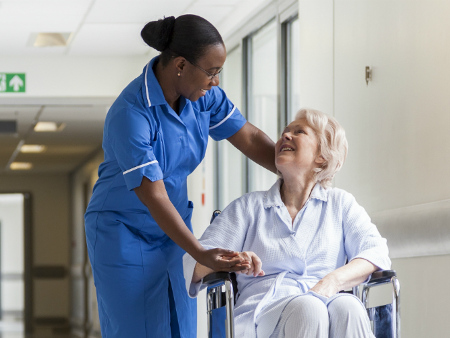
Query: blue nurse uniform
[(137, 268)]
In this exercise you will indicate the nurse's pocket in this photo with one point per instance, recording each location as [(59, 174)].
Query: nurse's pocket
[(159, 150)]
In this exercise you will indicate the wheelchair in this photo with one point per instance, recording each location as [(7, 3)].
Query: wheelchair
[(220, 298)]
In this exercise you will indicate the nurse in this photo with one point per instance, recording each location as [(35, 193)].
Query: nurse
[(138, 222)]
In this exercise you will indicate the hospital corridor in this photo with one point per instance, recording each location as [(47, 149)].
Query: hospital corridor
[(150, 128)]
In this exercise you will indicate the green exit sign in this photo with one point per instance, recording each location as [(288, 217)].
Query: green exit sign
[(12, 83)]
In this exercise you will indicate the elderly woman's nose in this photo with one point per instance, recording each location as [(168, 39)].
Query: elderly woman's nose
[(287, 135)]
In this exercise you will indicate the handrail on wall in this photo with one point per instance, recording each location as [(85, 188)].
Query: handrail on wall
[(415, 231)]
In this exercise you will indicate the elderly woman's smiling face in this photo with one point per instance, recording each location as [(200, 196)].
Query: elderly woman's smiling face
[(297, 150)]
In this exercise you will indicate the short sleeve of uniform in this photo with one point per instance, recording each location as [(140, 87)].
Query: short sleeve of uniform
[(129, 133), (225, 119)]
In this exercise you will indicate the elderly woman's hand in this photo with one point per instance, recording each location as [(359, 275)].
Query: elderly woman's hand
[(253, 262), (327, 286), (345, 277)]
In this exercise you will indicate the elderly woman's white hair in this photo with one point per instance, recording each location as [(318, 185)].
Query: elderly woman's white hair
[(333, 144)]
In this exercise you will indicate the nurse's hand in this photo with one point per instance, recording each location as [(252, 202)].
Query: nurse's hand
[(223, 260)]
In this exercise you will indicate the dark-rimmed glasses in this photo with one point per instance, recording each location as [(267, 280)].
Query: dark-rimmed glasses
[(211, 76)]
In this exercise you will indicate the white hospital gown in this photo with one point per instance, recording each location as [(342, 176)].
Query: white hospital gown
[(329, 229)]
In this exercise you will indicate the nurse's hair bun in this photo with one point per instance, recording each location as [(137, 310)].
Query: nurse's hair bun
[(158, 34), (188, 36)]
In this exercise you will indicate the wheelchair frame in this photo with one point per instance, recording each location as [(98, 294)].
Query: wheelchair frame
[(220, 293)]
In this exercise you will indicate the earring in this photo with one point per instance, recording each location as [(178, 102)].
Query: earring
[(179, 73)]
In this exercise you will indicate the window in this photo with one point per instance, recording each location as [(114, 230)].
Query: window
[(263, 95), (261, 77), (292, 52), (230, 161)]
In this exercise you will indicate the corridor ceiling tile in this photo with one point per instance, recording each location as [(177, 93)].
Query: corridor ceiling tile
[(134, 11), (110, 39), (35, 12)]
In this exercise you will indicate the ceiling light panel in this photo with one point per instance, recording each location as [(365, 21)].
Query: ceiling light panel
[(20, 43), (20, 19), (51, 39), (20, 166), (32, 148), (44, 126), (35, 12)]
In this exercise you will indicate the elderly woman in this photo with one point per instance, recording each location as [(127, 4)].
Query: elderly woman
[(301, 232)]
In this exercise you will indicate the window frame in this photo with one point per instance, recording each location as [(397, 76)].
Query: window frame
[(284, 12)]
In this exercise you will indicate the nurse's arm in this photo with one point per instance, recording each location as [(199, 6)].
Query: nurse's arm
[(256, 145), (154, 196)]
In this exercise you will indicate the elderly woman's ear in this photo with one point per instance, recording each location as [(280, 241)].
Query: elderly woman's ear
[(320, 160)]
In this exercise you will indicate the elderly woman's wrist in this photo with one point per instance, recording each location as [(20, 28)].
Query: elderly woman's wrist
[(334, 280)]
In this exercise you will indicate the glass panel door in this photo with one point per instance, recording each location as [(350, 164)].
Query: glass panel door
[(12, 287)]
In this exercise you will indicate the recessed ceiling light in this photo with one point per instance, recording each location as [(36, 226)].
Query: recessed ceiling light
[(50, 39), (48, 126), (32, 148), (20, 166)]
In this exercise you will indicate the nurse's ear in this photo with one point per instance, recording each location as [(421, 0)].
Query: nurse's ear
[(180, 63)]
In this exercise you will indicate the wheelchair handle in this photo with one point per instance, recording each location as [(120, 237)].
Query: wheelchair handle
[(216, 277)]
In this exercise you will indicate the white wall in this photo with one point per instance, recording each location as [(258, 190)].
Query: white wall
[(316, 55), (397, 125), (74, 76), (424, 301), (82, 183)]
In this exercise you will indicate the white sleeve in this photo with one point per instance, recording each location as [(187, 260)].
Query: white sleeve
[(362, 238), (188, 270)]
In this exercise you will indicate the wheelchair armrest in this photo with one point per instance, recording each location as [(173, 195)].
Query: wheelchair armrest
[(216, 277), (382, 276)]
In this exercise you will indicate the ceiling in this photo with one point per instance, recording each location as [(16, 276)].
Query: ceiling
[(97, 28)]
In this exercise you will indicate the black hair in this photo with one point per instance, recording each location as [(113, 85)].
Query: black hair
[(188, 36)]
